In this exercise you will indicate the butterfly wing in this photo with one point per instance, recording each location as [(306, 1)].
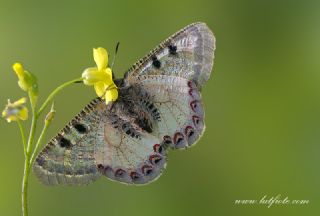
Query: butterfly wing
[(129, 153), (101, 140), (171, 77), (189, 54), (68, 159), (174, 103)]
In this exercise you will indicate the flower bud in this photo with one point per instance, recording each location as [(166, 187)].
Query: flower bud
[(27, 81), (50, 115)]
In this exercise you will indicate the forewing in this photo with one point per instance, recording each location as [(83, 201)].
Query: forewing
[(188, 53), (68, 159)]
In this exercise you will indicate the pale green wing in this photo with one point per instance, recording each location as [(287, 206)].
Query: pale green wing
[(189, 54), (175, 106), (101, 140), (129, 154), (68, 159)]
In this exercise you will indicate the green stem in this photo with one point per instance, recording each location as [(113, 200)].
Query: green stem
[(32, 130), (27, 157), (29, 151), (23, 137), (56, 91), (43, 132), (25, 187)]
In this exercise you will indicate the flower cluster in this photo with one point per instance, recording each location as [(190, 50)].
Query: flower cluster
[(27, 82), (101, 76)]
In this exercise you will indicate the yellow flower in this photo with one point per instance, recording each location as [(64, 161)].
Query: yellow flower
[(27, 81), (101, 76), (15, 111)]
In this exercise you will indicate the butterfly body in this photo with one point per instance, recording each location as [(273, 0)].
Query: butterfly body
[(159, 107)]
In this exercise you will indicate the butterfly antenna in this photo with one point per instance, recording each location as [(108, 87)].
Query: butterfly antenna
[(115, 54)]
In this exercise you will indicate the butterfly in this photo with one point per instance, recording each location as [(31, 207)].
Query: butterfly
[(159, 108)]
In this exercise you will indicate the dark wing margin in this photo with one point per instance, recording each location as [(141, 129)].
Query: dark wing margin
[(188, 53)]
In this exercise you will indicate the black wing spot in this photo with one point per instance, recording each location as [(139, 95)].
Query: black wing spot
[(80, 128), (64, 143), (172, 49), (100, 166), (124, 126), (155, 62)]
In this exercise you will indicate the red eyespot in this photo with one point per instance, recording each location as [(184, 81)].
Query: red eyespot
[(155, 159), (119, 172), (190, 84), (178, 138), (194, 105), (190, 92), (146, 169), (167, 140), (196, 120), (134, 176), (157, 148), (189, 131)]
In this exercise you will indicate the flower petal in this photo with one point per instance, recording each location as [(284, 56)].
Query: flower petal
[(19, 102), (4, 113), (100, 88), (18, 68), (11, 118), (108, 81), (111, 94), (23, 114), (100, 56), (92, 75)]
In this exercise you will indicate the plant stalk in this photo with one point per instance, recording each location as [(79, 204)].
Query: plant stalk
[(55, 92), (30, 152), (23, 137), (43, 132), (25, 182)]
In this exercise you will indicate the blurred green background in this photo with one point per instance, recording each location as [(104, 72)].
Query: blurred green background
[(262, 102)]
